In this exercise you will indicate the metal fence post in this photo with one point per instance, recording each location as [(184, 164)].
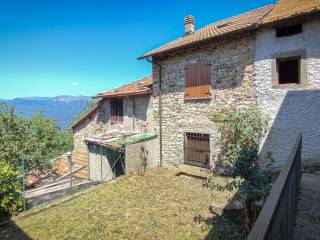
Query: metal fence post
[(69, 156), (23, 183), (100, 163)]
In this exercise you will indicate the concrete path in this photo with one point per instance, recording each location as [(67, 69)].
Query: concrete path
[(308, 215)]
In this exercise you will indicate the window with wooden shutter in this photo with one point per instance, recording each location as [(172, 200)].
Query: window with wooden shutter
[(198, 81), (116, 110)]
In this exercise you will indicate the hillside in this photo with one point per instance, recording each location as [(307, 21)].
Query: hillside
[(62, 108)]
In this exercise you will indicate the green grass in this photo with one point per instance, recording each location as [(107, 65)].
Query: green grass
[(158, 205)]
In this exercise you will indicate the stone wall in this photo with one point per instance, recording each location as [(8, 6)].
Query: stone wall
[(232, 87), (100, 122), (291, 110)]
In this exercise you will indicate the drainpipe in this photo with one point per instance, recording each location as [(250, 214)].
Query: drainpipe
[(133, 113), (160, 106)]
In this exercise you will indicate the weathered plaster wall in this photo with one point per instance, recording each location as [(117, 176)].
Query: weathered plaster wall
[(140, 154), (291, 110), (100, 122), (232, 87)]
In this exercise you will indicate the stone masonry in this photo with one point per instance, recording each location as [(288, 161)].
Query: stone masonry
[(292, 110), (99, 122), (232, 87)]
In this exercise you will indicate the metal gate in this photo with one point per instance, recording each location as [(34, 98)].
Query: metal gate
[(197, 149)]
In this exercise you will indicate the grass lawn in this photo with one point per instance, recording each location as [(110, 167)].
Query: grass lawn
[(158, 205)]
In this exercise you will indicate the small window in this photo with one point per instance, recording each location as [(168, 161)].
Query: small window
[(288, 70), (198, 82), (289, 31), (197, 149), (116, 110)]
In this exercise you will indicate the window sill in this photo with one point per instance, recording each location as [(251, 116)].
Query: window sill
[(289, 86), (198, 98), (116, 123)]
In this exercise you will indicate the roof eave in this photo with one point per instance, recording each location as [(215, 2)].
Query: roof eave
[(290, 18), (204, 41), (124, 94), (84, 117)]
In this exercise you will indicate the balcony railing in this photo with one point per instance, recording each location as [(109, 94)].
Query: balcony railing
[(277, 217)]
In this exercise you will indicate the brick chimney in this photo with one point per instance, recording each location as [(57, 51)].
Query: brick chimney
[(189, 24)]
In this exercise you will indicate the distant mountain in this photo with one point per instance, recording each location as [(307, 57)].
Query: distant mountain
[(62, 108)]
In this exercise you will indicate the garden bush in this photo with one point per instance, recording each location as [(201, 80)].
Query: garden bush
[(11, 199), (241, 135)]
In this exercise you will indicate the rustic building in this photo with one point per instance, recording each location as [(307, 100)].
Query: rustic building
[(124, 108), (116, 135), (287, 78), (264, 58)]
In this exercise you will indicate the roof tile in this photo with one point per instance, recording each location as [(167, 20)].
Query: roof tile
[(235, 23), (139, 87), (284, 9)]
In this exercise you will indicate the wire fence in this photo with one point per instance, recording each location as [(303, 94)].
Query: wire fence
[(26, 188)]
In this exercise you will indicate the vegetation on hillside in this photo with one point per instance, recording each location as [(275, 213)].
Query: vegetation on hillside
[(37, 140), (10, 190)]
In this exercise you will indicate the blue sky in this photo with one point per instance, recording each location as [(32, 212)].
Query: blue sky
[(76, 47)]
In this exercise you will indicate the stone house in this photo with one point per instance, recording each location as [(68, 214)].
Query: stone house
[(116, 137), (124, 108), (267, 58)]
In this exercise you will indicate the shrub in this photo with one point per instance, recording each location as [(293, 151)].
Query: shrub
[(241, 135), (10, 190), (38, 139)]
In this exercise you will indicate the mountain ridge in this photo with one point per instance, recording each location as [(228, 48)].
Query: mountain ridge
[(64, 108)]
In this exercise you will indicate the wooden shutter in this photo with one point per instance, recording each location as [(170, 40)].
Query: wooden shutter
[(198, 82), (117, 110)]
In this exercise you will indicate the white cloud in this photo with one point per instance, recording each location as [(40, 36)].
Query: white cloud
[(75, 84)]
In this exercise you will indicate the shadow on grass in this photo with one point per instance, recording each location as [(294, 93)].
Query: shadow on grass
[(227, 224), (10, 231)]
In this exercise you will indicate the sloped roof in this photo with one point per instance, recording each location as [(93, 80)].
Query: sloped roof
[(284, 9), (85, 116), (142, 86), (230, 25)]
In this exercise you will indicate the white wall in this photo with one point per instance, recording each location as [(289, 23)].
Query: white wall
[(291, 110)]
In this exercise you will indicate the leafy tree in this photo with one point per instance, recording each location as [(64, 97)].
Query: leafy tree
[(241, 135), (45, 141), (10, 190), (38, 139), (13, 133)]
